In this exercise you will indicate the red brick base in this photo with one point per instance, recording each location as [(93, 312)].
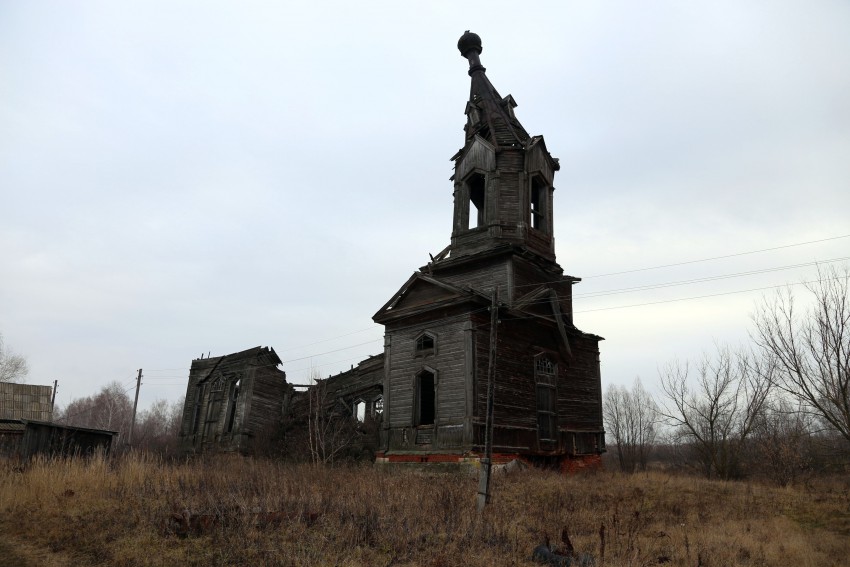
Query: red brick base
[(565, 464)]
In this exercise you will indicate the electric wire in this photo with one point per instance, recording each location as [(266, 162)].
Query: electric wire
[(588, 295), (687, 262), (717, 257), (706, 279)]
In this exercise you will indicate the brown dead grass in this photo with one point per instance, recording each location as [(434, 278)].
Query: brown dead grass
[(104, 512)]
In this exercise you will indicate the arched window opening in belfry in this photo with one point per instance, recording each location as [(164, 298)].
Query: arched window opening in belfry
[(537, 205), (477, 193)]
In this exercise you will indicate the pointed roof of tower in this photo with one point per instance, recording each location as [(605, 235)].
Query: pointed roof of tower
[(489, 115)]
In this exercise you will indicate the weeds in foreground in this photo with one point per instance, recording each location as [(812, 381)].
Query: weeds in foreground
[(139, 511)]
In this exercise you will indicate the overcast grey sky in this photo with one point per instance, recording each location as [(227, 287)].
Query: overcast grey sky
[(193, 177)]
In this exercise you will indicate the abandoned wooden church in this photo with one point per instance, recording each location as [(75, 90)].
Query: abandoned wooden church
[(439, 326)]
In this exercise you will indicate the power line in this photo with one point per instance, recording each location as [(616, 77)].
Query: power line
[(335, 350), (703, 296), (706, 279), (331, 338), (588, 295), (717, 257), (560, 280)]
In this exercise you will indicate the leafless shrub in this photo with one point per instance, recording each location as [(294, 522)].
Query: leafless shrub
[(811, 350), (631, 417), (716, 415), (13, 367)]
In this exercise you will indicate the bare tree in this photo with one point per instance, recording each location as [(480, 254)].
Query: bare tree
[(718, 413), (330, 432), (631, 418), (13, 367), (782, 442), (110, 409), (812, 349), (158, 426)]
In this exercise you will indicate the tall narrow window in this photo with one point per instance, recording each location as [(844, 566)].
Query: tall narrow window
[(425, 398), (360, 410), (231, 408), (545, 376), (537, 205), (477, 193), (213, 409), (378, 407), (196, 414)]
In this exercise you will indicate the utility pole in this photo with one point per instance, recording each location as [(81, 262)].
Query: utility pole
[(53, 398), (487, 461), (135, 404)]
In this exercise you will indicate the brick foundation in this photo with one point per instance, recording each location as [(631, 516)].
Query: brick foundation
[(565, 464)]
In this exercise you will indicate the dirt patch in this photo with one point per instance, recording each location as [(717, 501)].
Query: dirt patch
[(14, 553)]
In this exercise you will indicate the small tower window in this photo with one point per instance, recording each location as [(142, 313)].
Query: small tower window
[(425, 344), (477, 192), (378, 407), (537, 204)]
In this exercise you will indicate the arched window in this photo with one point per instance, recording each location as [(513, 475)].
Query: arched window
[(477, 193), (231, 408), (537, 204), (360, 410), (426, 398)]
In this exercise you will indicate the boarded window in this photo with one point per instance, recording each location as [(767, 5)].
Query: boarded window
[(196, 414), (545, 377), (425, 398), (214, 409)]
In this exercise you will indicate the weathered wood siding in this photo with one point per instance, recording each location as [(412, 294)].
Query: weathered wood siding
[(528, 275), (262, 389), (483, 278), (449, 363), (578, 400), (481, 155)]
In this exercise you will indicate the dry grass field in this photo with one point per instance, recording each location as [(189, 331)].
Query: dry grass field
[(130, 511)]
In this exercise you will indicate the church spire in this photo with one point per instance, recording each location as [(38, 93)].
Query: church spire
[(503, 177), (490, 115)]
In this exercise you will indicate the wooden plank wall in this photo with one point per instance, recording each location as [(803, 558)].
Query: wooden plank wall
[(515, 415), (448, 362)]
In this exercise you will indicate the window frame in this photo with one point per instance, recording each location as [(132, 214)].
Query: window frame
[(425, 351), (476, 200), (546, 390), (418, 398), (538, 203)]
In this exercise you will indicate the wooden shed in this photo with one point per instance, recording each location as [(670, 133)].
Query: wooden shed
[(547, 403), (24, 438), (42, 438)]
